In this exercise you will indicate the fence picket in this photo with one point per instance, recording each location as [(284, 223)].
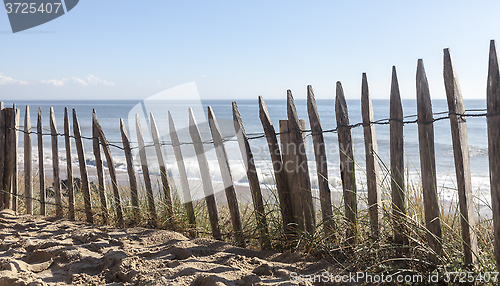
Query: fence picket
[(69, 166), (397, 162), (372, 169), (145, 171), (279, 170), (131, 171), (55, 163), (227, 178), (28, 171), (205, 175), (462, 159), (96, 148), (2, 154), (111, 168), (163, 166), (188, 201), (493, 121), (82, 164), (321, 163), (41, 167), (253, 179), (428, 162), (346, 163)]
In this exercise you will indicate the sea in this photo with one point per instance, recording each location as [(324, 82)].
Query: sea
[(109, 113)]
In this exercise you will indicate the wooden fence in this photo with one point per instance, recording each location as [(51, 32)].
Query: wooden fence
[(289, 161)]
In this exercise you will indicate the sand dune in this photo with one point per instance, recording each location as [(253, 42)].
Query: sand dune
[(48, 251)]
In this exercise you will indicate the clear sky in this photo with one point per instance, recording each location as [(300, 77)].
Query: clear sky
[(112, 49)]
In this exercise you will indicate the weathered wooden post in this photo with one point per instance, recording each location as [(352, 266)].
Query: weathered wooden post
[(428, 162), (302, 170), (83, 168), (253, 179), (372, 169), (145, 171), (346, 163), (188, 201), (55, 163), (41, 167), (69, 165), (205, 175), (163, 166), (462, 161), (96, 148), (493, 120), (279, 170), (2, 155), (397, 162), (111, 168), (28, 170), (321, 163), (131, 171), (227, 178)]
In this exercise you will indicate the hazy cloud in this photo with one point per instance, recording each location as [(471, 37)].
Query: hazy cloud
[(88, 80), (5, 80)]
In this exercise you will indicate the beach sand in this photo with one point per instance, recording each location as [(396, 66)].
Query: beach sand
[(36, 250)]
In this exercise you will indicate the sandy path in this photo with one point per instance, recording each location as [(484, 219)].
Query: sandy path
[(45, 251)]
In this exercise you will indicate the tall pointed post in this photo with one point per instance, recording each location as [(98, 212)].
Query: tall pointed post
[(176, 145), (55, 163), (397, 161), (372, 169), (321, 163), (69, 166), (96, 148), (41, 167), (493, 120), (163, 166), (302, 170), (279, 170), (28, 171), (346, 164), (145, 171), (134, 200), (2, 155), (82, 164), (428, 162), (111, 168), (227, 178), (205, 175), (462, 159)]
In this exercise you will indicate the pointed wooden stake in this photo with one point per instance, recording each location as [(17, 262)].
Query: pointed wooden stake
[(69, 166), (55, 163), (188, 201), (321, 163), (227, 178), (279, 170), (96, 148), (41, 167), (2, 155), (493, 119), (372, 169), (253, 179), (28, 171), (82, 164), (428, 162), (163, 167), (205, 175), (397, 162), (298, 145), (462, 161), (346, 164), (131, 171)]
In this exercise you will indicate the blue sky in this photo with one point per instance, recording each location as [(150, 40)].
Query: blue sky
[(241, 49)]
